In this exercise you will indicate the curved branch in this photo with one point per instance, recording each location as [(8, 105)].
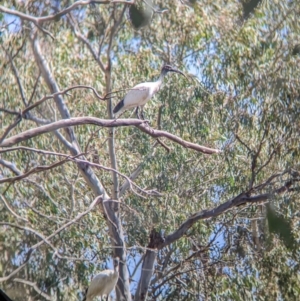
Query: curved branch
[(11, 166), (140, 124), (60, 93), (95, 202), (158, 133), (34, 286), (33, 171), (239, 200), (40, 20), (134, 175), (36, 233), (68, 158), (16, 75), (10, 128), (46, 240), (10, 209), (6, 278)]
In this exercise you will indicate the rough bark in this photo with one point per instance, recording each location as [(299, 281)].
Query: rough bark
[(148, 266)]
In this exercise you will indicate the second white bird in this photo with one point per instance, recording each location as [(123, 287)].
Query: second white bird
[(103, 283)]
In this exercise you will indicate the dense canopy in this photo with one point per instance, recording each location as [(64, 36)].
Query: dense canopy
[(201, 202)]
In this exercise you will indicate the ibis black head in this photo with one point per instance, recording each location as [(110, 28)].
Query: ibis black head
[(116, 261), (167, 68)]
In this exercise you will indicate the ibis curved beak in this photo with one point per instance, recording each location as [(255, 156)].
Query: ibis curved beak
[(177, 71)]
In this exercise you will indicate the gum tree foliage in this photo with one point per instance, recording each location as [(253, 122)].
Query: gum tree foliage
[(188, 225)]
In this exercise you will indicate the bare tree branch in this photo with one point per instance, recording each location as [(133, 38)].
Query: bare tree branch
[(239, 200), (46, 240), (157, 133), (111, 209), (37, 21), (96, 201), (16, 75), (9, 111), (40, 20), (34, 88), (116, 232), (68, 158), (10, 166), (10, 127), (43, 239), (157, 242), (6, 278), (140, 124), (10, 210), (87, 172), (85, 41), (35, 287), (133, 176), (34, 170), (60, 93)]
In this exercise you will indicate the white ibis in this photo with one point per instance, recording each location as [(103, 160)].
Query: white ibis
[(141, 93), (103, 283)]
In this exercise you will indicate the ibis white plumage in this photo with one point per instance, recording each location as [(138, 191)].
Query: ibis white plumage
[(103, 283), (141, 93)]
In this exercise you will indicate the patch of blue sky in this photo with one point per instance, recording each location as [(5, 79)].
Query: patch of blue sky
[(12, 24)]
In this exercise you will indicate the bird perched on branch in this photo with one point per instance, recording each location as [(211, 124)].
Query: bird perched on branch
[(141, 93), (103, 283)]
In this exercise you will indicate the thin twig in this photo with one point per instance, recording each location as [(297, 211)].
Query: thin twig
[(6, 278), (61, 93), (34, 286), (10, 210), (68, 158), (33, 171), (239, 200), (10, 128), (11, 166)]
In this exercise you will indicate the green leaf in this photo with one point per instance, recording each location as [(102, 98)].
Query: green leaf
[(280, 226), (139, 16)]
